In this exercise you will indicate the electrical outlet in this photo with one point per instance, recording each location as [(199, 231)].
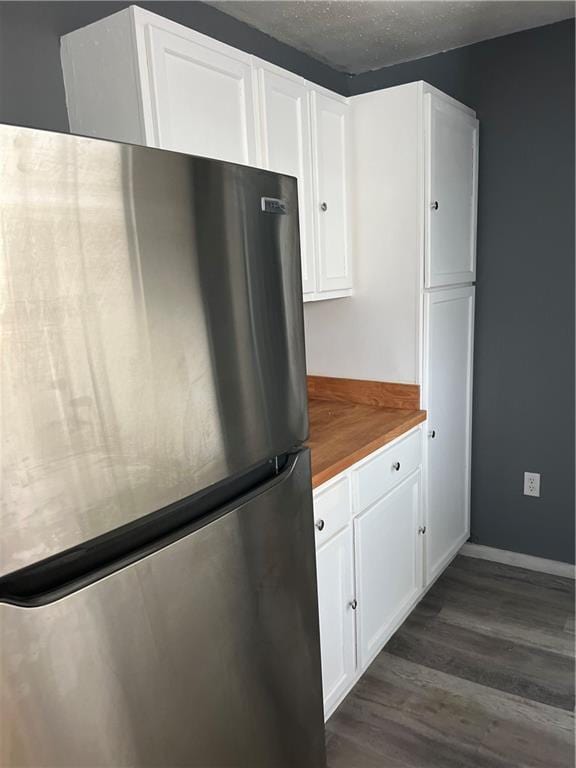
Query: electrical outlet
[(531, 484)]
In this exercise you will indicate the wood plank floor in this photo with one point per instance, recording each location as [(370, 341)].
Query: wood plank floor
[(480, 675)]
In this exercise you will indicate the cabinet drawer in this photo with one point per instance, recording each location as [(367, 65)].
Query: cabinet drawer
[(380, 474), (332, 509)]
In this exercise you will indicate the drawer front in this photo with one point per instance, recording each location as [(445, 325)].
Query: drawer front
[(379, 475), (332, 509)]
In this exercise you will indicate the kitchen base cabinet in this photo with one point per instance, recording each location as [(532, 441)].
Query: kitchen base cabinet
[(388, 544), (335, 570), (369, 556)]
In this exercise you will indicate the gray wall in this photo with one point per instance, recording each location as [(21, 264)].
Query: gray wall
[(522, 87), (31, 83)]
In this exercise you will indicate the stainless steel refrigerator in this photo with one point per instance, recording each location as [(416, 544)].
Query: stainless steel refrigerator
[(157, 572)]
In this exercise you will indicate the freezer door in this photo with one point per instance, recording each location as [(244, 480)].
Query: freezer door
[(204, 654), (150, 332)]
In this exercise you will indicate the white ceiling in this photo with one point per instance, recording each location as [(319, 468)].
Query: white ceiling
[(359, 36)]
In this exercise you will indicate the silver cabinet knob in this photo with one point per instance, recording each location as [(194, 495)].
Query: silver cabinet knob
[(396, 466), (354, 604), (434, 205), (422, 529), (319, 524), (324, 206)]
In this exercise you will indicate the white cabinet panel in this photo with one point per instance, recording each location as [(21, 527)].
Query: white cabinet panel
[(451, 201), (449, 322), (203, 98), (388, 565), (335, 595), (286, 148), (103, 91), (330, 147)]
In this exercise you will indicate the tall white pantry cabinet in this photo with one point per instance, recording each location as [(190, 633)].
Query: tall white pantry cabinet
[(140, 78)]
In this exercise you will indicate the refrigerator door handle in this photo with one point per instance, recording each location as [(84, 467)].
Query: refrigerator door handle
[(61, 575)]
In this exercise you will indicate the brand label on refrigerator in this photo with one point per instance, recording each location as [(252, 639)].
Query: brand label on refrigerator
[(273, 205)]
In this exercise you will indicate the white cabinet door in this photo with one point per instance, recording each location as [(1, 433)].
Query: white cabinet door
[(388, 565), (451, 200), (286, 148), (203, 101), (449, 321), (330, 148), (335, 595)]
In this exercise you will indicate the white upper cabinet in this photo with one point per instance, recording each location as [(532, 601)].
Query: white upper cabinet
[(304, 132), (449, 324), (286, 148), (203, 102), (137, 77), (451, 192), (330, 154)]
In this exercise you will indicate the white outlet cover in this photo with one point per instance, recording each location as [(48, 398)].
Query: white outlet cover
[(531, 484)]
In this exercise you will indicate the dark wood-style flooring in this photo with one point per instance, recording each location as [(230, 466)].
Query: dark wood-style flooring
[(481, 675)]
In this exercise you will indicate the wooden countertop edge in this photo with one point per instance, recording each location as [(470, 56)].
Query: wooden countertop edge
[(319, 478)]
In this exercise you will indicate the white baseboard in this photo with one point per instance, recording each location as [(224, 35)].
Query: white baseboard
[(520, 560)]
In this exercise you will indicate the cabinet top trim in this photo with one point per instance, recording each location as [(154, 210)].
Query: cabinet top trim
[(141, 16), (421, 87)]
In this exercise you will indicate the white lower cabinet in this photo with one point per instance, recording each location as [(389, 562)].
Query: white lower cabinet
[(449, 324), (388, 565), (335, 568), (369, 553)]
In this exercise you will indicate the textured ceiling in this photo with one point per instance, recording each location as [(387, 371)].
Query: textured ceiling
[(359, 36)]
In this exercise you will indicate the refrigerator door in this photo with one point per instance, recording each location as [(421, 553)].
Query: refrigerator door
[(151, 333), (202, 655)]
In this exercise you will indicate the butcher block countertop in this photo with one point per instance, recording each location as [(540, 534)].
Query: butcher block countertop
[(349, 419)]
